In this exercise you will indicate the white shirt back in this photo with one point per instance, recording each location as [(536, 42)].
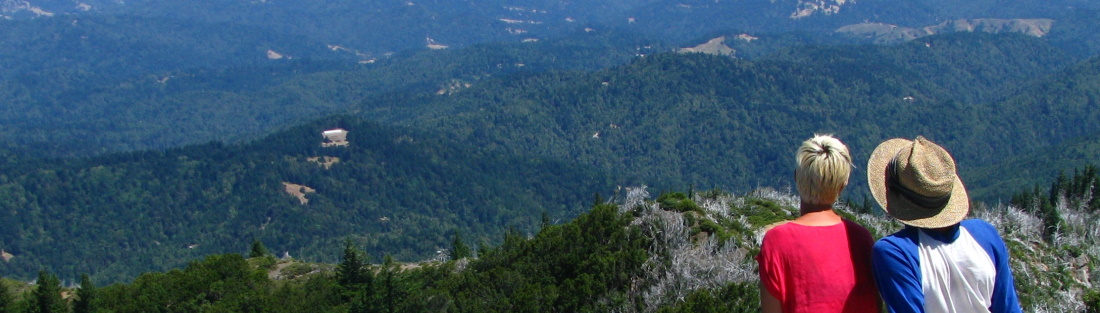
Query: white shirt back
[(959, 273)]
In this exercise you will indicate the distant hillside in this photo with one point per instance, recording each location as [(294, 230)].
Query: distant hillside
[(93, 112), (70, 51), (377, 28), (1065, 103), (680, 119), (393, 191), (507, 143), (108, 78), (886, 33)]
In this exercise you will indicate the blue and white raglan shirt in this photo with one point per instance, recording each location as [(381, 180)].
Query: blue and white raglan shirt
[(965, 270)]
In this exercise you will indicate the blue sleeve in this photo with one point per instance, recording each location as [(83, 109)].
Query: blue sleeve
[(1004, 287), (896, 267)]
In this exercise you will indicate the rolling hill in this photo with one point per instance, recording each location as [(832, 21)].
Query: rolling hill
[(394, 191), (500, 151)]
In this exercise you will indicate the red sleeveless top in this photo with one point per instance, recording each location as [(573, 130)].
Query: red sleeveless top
[(819, 268)]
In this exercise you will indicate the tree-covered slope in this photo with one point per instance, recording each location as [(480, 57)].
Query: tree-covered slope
[(394, 191), (95, 47), (667, 120), (1058, 115), (730, 123), (172, 106)]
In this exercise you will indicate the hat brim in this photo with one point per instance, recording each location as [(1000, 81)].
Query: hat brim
[(903, 210)]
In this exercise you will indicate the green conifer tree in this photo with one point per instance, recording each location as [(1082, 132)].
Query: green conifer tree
[(351, 273), (459, 249), (6, 299), (46, 297), (258, 249), (390, 289), (85, 296)]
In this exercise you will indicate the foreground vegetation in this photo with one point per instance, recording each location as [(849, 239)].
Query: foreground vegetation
[(680, 252), (602, 261)]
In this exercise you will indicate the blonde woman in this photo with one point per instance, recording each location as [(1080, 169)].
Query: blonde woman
[(818, 262)]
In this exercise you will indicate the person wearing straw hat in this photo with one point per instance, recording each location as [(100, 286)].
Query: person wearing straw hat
[(819, 262), (938, 262)]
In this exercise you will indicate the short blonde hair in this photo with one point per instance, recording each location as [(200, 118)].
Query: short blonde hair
[(823, 168)]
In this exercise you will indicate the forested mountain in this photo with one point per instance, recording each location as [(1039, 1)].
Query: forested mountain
[(63, 50), (92, 77), (137, 136), (499, 145), (721, 122), (392, 191), (1044, 106), (379, 27), (88, 111)]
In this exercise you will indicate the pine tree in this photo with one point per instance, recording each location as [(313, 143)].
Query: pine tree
[(390, 289), (351, 273), (545, 220), (6, 299), (258, 249), (46, 297), (85, 296), (459, 249), (364, 302)]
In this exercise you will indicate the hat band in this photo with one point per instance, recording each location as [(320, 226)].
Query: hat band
[(894, 185)]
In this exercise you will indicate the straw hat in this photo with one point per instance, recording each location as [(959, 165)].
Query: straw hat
[(915, 182)]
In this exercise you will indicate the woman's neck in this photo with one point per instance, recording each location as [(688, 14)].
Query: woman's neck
[(817, 215)]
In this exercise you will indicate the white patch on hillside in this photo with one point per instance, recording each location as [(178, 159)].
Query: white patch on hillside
[(335, 137), (514, 21), (887, 33), (810, 7), (716, 46), (452, 87), (298, 191), (83, 7), (435, 46), (747, 37), (272, 55), (13, 6), (40, 12), (363, 57), (524, 10), (326, 162)]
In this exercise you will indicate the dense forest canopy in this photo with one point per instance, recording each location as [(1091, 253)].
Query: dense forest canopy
[(682, 118), (490, 144), (395, 191)]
